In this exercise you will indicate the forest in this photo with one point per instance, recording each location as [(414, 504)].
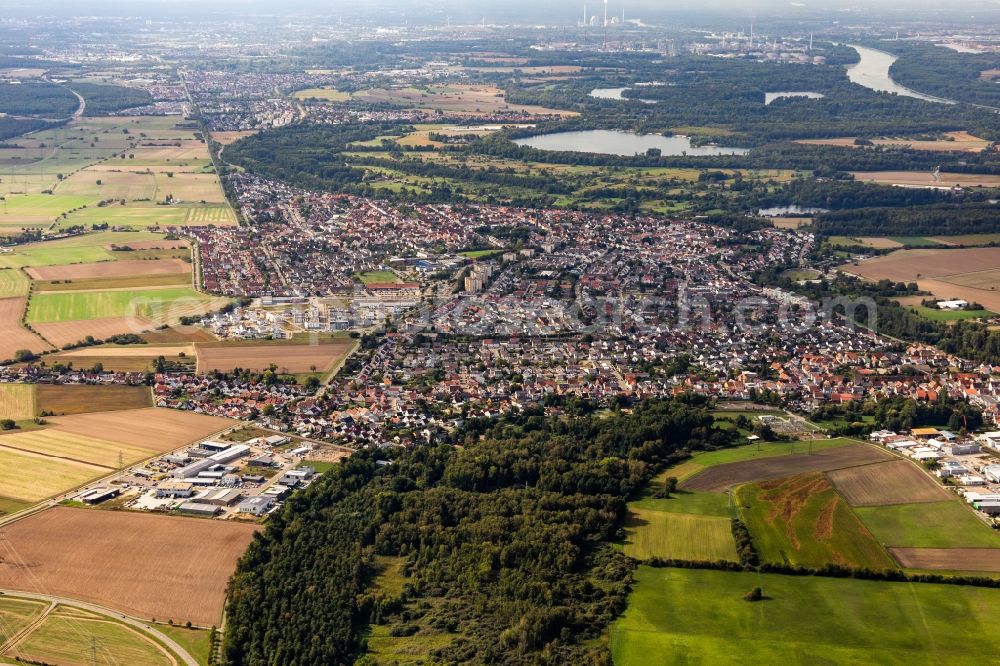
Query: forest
[(505, 542), (940, 71), (37, 98), (934, 220), (105, 99)]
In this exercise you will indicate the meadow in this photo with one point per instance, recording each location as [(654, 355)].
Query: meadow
[(671, 535), (65, 635), (946, 524), (682, 616), (157, 304), (803, 521)]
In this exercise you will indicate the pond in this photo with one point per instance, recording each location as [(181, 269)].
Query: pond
[(617, 94), (608, 142)]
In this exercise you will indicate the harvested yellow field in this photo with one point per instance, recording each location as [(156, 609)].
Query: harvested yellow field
[(73, 447), (955, 142), (926, 178), (131, 351), (155, 429), (32, 477), (17, 401)]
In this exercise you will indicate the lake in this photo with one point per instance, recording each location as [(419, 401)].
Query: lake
[(771, 96), (608, 142), (872, 72)]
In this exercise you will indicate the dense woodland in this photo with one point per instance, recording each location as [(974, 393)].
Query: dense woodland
[(504, 542), (943, 72), (934, 220), (37, 98), (104, 99)]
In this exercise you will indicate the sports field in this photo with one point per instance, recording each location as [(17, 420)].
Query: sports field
[(150, 566), (681, 616)]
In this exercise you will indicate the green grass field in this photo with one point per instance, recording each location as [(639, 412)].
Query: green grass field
[(195, 641), (152, 303), (377, 277), (934, 525), (17, 614), (935, 314), (17, 401), (480, 254), (681, 536), (65, 639), (803, 521), (52, 255), (13, 283), (689, 617)]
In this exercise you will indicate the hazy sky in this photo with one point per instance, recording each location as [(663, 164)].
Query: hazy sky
[(506, 10)]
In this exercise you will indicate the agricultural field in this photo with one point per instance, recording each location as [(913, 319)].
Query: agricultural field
[(926, 179), (703, 460), (895, 482), (17, 614), (672, 535), (946, 524), (155, 304), (801, 520), (952, 142), (17, 401), (458, 99), (106, 269), (13, 283), (27, 477), (802, 620), (149, 566), (969, 273), (321, 94), (57, 400), (64, 637), (948, 559), (13, 336), (721, 477), (162, 429), (291, 357)]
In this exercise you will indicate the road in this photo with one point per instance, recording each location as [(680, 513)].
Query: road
[(133, 622)]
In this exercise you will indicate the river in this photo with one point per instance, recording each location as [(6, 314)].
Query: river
[(872, 72)]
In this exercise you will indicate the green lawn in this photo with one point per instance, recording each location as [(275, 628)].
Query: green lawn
[(195, 641), (803, 521), (79, 305), (377, 277), (936, 314), (929, 525), (681, 536), (679, 616), (479, 254)]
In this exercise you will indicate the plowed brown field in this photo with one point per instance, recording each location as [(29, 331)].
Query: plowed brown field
[(149, 566), (109, 269), (894, 482)]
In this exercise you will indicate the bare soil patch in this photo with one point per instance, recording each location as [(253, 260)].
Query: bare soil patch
[(292, 358), (948, 559), (109, 269), (59, 399), (722, 477), (149, 566), (895, 482)]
